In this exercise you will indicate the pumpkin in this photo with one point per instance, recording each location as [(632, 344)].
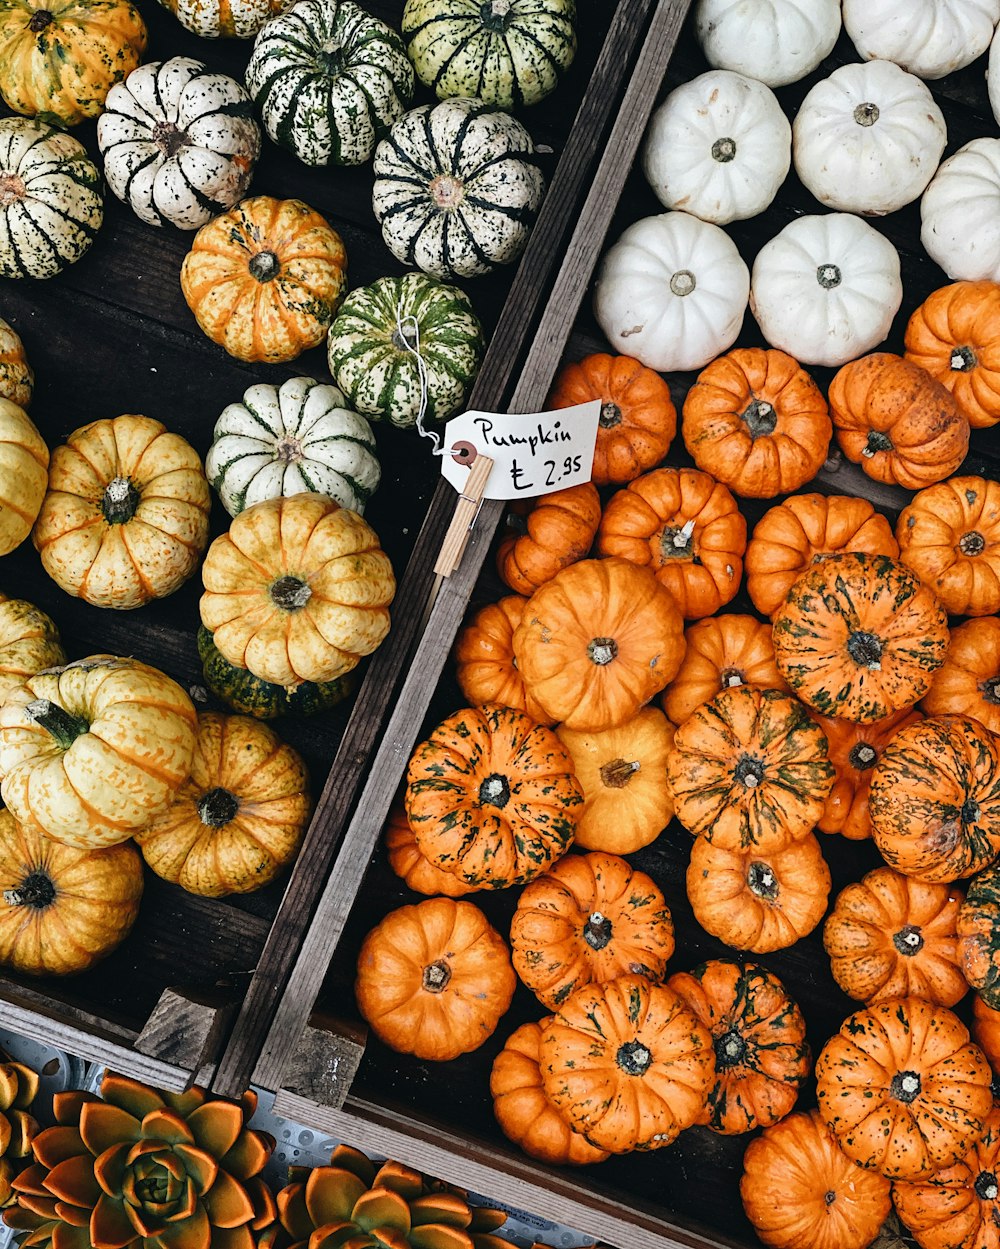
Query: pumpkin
[(749, 770), (179, 142), (292, 440), (762, 1057), (381, 334), (986, 1030), (790, 538), (29, 642), (799, 1188), (485, 667), (868, 138), (757, 422), (993, 77), (434, 979), (553, 532), (718, 147), (62, 909), (722, 652), (935, 799), (623, 775), (938, 37), (297, 590), (525, 1114), (329, 79), (968, 682), (264, 279), (627, 1064), (491, 797), (227, 19), (888, 936), (588, 920), (125, 519), (775, 41), (955, 336), (854, 750), (412, 866), (60, 59), (91, 752), (17, 379), (902, 1087), (240, 817), (685, 526), (978, 931), (24, 464), (672, 292), (50, 199), (958, 213), (826, 288), (758, 900), (950, 536), (597, 642), (638, 419), (239, 689), (507, 53), (859, 637)]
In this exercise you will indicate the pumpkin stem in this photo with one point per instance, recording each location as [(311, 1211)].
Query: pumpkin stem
[(36, 890), (829, 277), (169, 138), (972, 543), (862, 757), (963, 360), (330, 59), (597, 931), (264, 266), (866, 650), (290, 593), (905, 1086), (446, 190), (494, 15), (495, 791), (749, 771), (829, 1196), (57, 721), (990, 690), (877, 441), (405, 335), (611, 415), (218, 807), (970, 811), (909, 940), (866, 114), (40, 19), (634, 1058), (436, 976), (288, 450), (730, 1049), (729, 678), (986, 1186), (762, 881), (760, 418), (12, 189), (676, 543), (120, 501), (618, 773), (723, 150), (602, 651), (683, 282)]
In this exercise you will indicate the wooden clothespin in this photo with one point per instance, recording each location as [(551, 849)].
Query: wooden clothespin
[(466, 509)]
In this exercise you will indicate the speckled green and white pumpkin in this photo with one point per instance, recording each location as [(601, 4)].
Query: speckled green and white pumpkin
[(329, 79), (457, 188), (17, 380), (380, 331), (507, 53), (50, 199), (292, 440), (226, 19)]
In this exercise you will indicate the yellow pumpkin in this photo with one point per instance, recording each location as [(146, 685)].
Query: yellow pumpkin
[(16, 377), (241, 816), (29, 642), (24, 474), (125, 519)]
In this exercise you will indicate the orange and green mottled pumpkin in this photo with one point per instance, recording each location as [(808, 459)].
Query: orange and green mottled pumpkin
[(979, 936), (414, 868), (968, 682)]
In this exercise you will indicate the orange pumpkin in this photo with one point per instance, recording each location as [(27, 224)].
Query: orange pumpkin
[(955, 336), (485, 666), (968, 682), (549, 534), (638, 419), (597, 642), (799, 532), (757, 421), (685, 526), (758, 901), (895, 420), (412, 867), (986, 1030), (587, 920), (434, 979), (950, 536), (888, 936)]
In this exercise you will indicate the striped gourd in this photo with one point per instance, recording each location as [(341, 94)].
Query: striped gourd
[(17, 378), (457, 188), (179, 142), (329, 79), (381, 329), (506, 52), (289, 441), (227, 19), (50, 199)]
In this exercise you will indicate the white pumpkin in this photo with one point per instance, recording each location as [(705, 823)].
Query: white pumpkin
[(993, 75), (179, 142), (672, 292), (718, 147), (960, 213), (826, 289), (868, 138), (930, 38), (774, 41)]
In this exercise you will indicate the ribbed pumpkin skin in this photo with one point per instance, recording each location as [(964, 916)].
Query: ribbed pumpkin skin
[(24, 474), (911, 1063), (29, 642), (414, 868), (627, 1064), (227, 19), (759, 1035), (587, 920), (62, 909), (17, 378), (329, 79), (491, 796), (935, 799), (986, 1030), (558, 530), (979, 936), (888, 936), (484, 659), (955, 336), (860, 637), (749, 769), (968, 682)]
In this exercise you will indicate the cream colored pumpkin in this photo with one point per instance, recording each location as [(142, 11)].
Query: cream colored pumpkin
[(960, 213), (16, 377), (29, 642), (775, 41), (24, 463), (930, 38)]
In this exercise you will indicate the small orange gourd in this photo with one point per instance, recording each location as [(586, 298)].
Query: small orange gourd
[(548, 535), (968, 682), (485, 666), (986, 1030), (722, 652)]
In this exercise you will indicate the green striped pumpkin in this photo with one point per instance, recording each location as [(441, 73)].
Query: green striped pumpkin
[(508, 53), (373, 340), (294, 440), (50, 199), (329, 79)]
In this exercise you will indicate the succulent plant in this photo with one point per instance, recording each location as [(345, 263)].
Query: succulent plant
[(18, 1086), (136, 1168)]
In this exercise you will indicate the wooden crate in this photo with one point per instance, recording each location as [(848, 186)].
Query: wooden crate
[(113, 335), (438, 1116)]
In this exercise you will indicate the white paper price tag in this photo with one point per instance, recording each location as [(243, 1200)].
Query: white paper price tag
[(533, 453)]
